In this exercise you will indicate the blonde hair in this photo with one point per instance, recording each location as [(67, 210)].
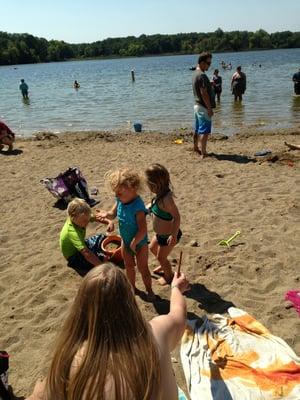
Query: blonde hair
[(124, 177), (158, 179), (78, 207), (118, 344)]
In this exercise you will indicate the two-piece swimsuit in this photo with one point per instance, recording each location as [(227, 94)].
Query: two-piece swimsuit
[(162, 240)]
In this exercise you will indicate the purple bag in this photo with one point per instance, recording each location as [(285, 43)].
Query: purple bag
[(69, 184)]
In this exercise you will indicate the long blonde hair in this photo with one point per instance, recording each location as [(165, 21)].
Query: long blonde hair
[(118, 344)]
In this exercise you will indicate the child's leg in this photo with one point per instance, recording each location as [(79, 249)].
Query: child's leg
[(129, 265), (162, 256), (142, 264), (154, 250)]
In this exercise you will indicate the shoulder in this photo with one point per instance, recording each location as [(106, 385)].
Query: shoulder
[(139, 203)]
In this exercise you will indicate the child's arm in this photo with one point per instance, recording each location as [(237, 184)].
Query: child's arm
[(171, 208), (90, 257), (101, 215), (142, 229)]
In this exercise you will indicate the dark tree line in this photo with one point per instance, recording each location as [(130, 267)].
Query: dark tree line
[(25, 48)]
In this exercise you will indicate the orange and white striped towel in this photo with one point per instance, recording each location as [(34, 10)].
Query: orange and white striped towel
[(237, 358)]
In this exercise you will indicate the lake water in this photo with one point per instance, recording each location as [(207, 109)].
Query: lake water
[(160, 98)]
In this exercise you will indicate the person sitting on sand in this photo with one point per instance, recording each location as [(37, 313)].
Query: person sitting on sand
[(24, 89), (131, 212), (76, 85), (106, 349), (81, 253), (7, 137), (166, 220)]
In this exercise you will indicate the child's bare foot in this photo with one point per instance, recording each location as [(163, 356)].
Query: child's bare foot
[(158, 270), (163, 281), (196, 150)]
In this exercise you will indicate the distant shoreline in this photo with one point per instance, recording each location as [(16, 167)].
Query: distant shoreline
[(112, 57)]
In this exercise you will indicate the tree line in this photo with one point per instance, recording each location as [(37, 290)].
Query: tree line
[(25, 48)]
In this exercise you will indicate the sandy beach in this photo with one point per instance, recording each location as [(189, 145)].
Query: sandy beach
[(230, 190)]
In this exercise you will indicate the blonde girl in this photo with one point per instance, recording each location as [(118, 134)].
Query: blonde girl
[(131, 213), (166, 219)]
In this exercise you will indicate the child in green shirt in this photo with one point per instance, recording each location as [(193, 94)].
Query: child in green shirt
[(81, 253)]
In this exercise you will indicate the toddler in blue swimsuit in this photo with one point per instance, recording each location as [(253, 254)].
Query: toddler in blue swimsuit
[(166, 220), (131, 213)]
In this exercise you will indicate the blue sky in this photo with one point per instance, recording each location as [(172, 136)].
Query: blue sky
[(90, 20)]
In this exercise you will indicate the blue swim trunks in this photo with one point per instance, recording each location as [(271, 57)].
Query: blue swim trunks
[(202, 120)]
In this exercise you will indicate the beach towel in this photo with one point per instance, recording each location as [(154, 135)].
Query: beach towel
[(237, 358)]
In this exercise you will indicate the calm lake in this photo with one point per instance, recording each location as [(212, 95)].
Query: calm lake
[(160, 98)]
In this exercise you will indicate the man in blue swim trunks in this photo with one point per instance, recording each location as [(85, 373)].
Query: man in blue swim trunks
[(204, 103)]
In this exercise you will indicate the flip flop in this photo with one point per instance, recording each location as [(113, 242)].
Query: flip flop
[(262, 153)]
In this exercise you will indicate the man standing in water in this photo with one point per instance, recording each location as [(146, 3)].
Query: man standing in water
[(238, 84), (24, 89), (204, 103), (296, 80)]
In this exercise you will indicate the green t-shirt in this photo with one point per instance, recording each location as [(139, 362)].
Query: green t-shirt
[(71, 239)]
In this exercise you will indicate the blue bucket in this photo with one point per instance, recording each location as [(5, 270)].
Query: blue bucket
[(137, 127)]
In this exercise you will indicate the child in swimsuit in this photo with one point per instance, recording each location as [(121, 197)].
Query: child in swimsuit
[(131, 212), (166, 220)]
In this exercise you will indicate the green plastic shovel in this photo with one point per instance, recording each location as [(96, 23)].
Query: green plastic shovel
[(228, 241)]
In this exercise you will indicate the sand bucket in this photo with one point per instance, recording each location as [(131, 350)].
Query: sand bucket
[(137, 127), (111, 246)]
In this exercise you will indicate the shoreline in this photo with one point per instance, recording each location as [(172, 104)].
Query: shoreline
[(248, 130), (230, 190)]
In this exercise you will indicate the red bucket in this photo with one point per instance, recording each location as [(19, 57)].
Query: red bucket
[(111, 247)]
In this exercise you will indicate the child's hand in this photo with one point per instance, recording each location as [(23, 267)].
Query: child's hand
[(110, 227), (100, 215), (172, 240)]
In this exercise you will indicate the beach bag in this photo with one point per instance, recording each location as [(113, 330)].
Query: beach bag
[(4, 393), (67, 185)]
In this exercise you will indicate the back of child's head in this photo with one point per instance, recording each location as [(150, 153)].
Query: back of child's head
[(78, 207), (158, 178), (125, 177)]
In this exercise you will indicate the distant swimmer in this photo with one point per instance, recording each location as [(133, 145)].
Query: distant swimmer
[(296, 80), (76, 85), (238, 84), (24, 89)]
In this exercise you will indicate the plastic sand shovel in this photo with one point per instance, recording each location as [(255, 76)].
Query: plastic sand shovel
[(178, 141), (228, 241)]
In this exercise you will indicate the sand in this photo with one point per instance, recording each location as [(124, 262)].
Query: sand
[(217, 196)]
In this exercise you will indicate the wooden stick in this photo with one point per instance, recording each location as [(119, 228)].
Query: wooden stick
[(179, 264)]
